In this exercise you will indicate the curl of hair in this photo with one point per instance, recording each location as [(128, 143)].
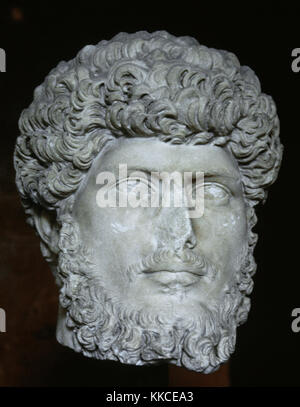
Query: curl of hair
[(143, 85)]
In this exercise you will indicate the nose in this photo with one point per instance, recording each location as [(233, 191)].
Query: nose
[(191, 241), (182, 230), (177, 229)]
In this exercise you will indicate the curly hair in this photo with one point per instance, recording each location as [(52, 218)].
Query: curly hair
[(143, 85)]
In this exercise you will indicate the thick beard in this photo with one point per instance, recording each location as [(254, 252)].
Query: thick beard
[(103, 329)]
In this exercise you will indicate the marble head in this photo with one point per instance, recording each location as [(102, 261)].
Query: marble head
[(141, 283)]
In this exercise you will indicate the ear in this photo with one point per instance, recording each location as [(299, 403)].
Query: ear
[(48, 230)]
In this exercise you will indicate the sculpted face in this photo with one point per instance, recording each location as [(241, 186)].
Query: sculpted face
[(145, 283), (198, 257)]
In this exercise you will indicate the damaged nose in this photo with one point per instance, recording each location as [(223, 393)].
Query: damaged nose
[(178, 230)]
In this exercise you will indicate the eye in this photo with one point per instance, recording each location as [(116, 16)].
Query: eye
[(216, 194), (133, 185), (129, 184), (136, 191)]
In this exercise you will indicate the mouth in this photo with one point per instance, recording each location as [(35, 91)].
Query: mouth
[(198, 273), (173, 277), (169, 269)]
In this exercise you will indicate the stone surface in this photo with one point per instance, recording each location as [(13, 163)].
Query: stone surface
[(148, 284)]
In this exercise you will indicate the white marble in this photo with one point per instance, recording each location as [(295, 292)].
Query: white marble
[(149, 283)]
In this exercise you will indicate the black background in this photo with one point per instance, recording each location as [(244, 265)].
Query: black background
[(267, 352)]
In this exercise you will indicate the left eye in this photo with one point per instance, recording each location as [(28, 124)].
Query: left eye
[(216, 193)]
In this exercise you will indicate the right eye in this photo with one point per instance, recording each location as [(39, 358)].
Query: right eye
[(133, 185), (135, 191)]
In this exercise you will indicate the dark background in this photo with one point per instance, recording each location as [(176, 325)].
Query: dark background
[(36, 36)]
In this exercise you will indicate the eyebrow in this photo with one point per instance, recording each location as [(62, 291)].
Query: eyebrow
[(220, 174), (208, 174)]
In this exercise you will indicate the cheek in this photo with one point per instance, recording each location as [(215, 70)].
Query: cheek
[(123, 232), (223, 233), (231, 227)]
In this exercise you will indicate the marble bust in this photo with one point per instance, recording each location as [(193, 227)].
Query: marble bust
[(143, 284)]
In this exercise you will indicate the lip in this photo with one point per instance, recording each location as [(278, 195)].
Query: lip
[(197, 273), (172, 279)]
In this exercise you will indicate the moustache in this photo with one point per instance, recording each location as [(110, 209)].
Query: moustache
[(173, 262)]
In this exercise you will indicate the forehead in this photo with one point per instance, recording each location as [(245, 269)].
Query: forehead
[(153, 154)]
